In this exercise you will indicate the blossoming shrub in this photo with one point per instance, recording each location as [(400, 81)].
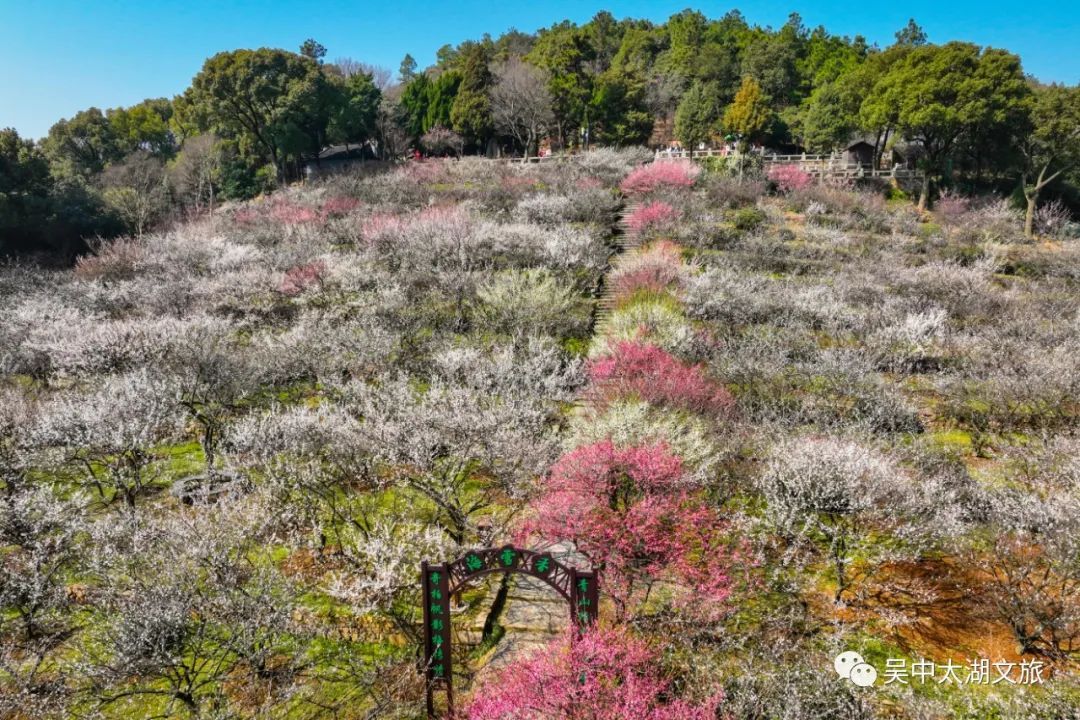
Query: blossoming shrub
[(641, 283), (547, 210), (112, 260), (629, 423), (302, 277), (659, 320), (247, 215), (633, 513), (435, 238), (655, 217), (339, 206), (380, 224), (647, 371), (425, 171), (654, 270), (610, 165), (839, 495), (289, 213), (605, 675), (789, 178), (656, 175), (531, 301)]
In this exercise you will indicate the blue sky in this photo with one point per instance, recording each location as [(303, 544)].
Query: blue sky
[(60, 56)]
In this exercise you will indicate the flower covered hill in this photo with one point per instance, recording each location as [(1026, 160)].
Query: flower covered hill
[(808, 420)]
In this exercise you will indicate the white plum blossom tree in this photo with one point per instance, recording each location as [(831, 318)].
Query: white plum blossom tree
[(112, 433)]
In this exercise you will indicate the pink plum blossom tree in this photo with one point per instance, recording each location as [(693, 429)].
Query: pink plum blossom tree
[(789, 177), (606, 675), (657, 216), (657, 175), (632, 513), (656, 376)]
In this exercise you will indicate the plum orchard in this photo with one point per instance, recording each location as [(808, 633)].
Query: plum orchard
[(805, 422), (225, 448)]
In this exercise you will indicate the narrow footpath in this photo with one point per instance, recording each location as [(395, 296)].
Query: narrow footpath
[(530, 613)]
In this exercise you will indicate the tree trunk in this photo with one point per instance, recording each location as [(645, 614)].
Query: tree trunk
[(1029, 216), (839, 553), (528, 146), (924, 193), (1031, 193), (209, 445)]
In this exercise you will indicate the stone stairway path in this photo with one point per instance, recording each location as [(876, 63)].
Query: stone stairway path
[(534, 613), (625, 239)]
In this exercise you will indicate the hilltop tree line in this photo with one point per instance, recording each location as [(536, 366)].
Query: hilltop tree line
[(251, 118)]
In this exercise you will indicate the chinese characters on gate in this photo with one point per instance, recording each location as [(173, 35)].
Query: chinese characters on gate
[(439, 624)]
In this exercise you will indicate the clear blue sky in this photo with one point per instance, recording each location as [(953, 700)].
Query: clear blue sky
[(60, 56)]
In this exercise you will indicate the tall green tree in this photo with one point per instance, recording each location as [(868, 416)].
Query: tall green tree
[(827, 57), (749, 115), (619, 108), (911, 35), (772, 60), (81, 147), (940, 93), (686, 36), (40, 212), (698, 114), (413, 106), (828, 119), (25, 190), (860, 94), (272, 101), (407, 69), (1052, 148), (604, 35), (566, 54), (312, 49), (440, 100), (720, 58), (354, 121), (470, 114), (144, 127)]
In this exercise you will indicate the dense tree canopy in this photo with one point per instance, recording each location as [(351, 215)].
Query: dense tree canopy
[(965, 114), (269, 99), (470, 113), (698, 114), (941, 93), (25, 184)]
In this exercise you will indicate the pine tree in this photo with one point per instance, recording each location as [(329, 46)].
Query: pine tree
[(698, 114), (471, 111)]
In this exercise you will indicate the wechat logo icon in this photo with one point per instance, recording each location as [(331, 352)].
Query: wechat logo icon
[(851, 666)]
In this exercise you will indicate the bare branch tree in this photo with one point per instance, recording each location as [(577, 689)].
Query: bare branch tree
[(347, 67), (521, 103)]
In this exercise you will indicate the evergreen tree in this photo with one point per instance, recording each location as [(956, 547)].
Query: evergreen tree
[(698, 114), (470, 115), (407, 69), (942, 93)]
